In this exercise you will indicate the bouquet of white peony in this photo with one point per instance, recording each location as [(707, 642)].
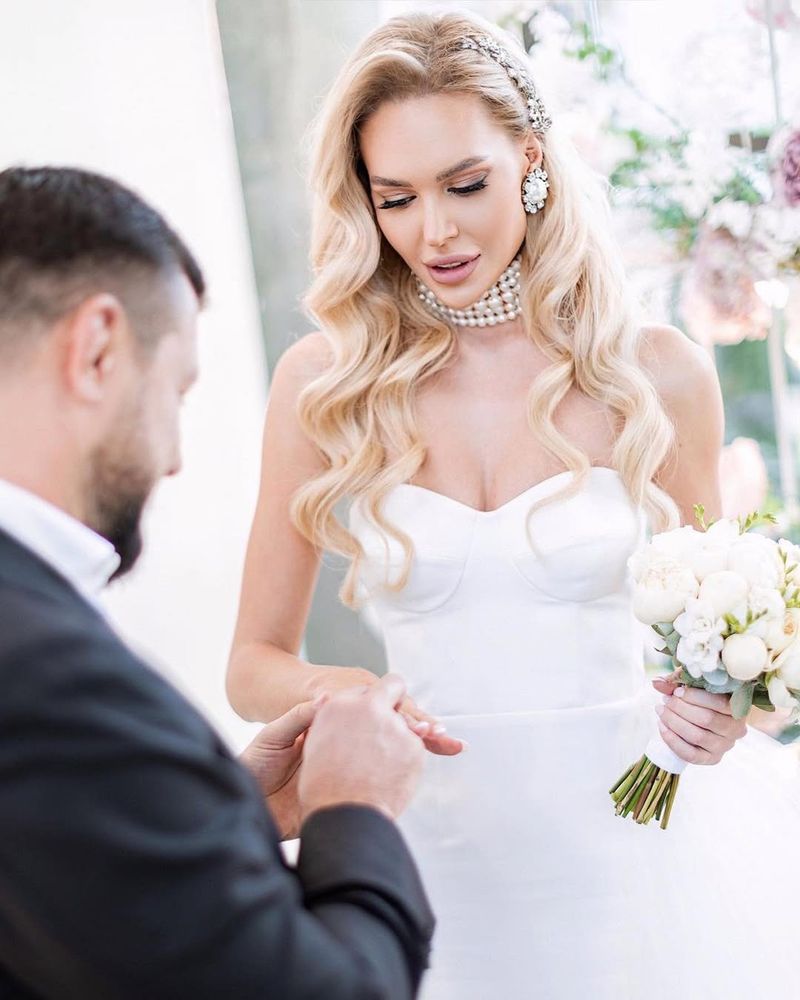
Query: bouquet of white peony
[(726, 604)]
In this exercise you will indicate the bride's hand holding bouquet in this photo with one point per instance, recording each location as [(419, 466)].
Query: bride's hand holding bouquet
[(725, 602)]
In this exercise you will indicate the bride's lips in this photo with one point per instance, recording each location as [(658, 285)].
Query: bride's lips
[(451, 270)]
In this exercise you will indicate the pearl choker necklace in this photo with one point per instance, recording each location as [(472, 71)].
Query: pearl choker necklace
[(498, 305)]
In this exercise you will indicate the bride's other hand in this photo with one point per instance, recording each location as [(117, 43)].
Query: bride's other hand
[(697, 725), (430, 730)]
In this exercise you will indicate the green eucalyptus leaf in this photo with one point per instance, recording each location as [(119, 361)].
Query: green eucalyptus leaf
[(671, 642), (742, 700)]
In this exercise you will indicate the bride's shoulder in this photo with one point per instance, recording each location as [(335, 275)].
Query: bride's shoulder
[(682, 372), (303, 361)]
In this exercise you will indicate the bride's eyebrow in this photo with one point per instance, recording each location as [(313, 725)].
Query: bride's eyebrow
[(470, 161)]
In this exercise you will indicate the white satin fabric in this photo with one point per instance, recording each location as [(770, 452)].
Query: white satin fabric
[(529, 651)]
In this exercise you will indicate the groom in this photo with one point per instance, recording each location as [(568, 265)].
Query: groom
[(137, 859)]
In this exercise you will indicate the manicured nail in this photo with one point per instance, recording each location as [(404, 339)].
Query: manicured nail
[(421, 727), (659, 709), (680, 692), (439, 729), (661, 726), (464, 745)]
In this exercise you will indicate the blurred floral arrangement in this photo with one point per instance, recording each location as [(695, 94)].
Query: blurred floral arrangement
[(726, 204)]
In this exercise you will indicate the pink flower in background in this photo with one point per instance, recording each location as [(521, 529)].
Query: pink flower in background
[(783, 15), (719, 302), (743, 477), (788, 172)]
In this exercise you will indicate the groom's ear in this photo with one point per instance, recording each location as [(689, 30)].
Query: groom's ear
[(94, 340)]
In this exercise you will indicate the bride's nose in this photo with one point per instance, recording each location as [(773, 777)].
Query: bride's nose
[(438, 224)]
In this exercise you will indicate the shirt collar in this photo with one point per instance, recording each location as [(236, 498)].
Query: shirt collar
[(84, 558)]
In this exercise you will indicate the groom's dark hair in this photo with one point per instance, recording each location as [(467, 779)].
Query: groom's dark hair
[(66, 234)]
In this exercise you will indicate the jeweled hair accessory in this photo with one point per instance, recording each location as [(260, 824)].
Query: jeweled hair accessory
[(537, 115)]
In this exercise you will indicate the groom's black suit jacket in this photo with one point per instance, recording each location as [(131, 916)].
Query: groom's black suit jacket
[(137, 859)]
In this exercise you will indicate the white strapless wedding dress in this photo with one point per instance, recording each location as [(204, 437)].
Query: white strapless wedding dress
[(533, 657)]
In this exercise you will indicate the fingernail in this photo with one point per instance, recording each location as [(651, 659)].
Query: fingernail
[(659, 709), (665, 698), (464, 745), (439, 729), (680, 692), (421, 727), (319, 700), (662, 728)]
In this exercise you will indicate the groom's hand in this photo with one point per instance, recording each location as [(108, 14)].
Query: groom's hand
[(273, 758), (697, 725)]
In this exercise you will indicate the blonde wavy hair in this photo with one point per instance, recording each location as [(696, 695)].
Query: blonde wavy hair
[(360, 412)]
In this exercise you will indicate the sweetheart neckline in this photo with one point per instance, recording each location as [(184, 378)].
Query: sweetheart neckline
[(508, 503)]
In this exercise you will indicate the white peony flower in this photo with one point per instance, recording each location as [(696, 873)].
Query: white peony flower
[(792, 554), (787, 665), (779, 694), (784, 632), (767, 607), (710, 551), (757, 559), (663, 588), (744, 656), (726, 591), (677, 545)]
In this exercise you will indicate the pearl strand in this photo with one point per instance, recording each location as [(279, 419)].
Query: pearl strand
[(497, 305)]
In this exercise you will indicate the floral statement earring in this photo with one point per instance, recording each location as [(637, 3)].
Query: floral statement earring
[(535, 186), (535, 190)]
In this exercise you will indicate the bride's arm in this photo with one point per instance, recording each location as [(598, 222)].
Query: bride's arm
[(686, 380), (697, 725), (266, 677)]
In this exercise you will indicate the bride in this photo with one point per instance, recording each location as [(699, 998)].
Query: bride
[(502, 426)]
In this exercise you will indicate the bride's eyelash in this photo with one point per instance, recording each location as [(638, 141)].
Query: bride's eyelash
[(469, 189), (477, 186)]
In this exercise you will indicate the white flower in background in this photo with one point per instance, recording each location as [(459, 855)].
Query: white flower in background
[(765, 605), (701, 638), (756, 558), (735, 216), (744, 656), (784, 632), (663, 587), (692, 197), (726, 591)]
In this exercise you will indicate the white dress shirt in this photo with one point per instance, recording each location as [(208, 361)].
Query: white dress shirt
[(79, 554)]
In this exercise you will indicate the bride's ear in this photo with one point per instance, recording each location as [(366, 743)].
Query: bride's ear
[(533, 152)]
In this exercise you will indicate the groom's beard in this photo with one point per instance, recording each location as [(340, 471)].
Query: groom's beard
[(119, 485)]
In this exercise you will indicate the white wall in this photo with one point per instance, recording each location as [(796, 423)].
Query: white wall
[(137, 90)]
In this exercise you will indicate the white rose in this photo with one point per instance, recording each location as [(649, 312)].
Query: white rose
[(725, 591), (779, 694), (757, 559), (663, 590), (744, 656), (784, 632), (787, 664)]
